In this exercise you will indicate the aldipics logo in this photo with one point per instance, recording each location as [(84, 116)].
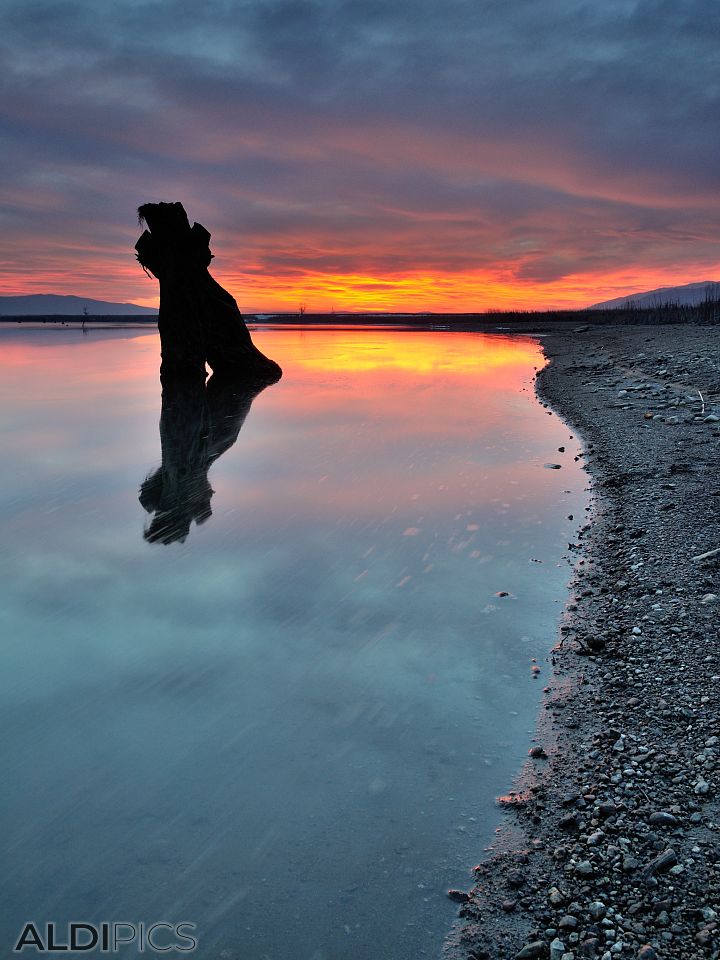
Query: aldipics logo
[(160, 937)]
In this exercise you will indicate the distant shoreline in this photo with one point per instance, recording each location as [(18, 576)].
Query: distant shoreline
[(707, 312)]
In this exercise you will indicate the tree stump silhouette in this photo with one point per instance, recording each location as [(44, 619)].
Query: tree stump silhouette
[(199, 321)]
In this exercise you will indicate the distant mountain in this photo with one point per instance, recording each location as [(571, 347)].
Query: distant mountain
[(52, 304), (687, 295)]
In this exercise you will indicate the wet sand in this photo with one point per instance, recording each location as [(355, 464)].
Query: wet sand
[(609, 846)]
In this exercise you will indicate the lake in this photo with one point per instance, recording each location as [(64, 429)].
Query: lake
[(268, 662)]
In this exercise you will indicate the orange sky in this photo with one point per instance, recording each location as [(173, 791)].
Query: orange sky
[(449, 293), (247, 270), (278, 272), (366, 156), (411, 292)]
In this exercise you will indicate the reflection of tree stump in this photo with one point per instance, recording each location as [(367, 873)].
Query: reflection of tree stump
[(198, 423), (199, 321)]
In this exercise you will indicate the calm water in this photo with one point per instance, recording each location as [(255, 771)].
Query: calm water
[(287, 723)]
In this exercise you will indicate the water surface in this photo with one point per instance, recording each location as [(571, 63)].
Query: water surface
[(286, 723)]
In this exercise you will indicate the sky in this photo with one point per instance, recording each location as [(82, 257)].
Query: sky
[(445, 155)]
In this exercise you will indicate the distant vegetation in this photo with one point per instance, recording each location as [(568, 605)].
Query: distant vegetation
[(705, 312)]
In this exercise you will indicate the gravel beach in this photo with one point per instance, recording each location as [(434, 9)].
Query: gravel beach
[(609, 846)]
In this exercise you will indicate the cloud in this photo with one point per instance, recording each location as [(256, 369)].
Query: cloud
[(526, 142)]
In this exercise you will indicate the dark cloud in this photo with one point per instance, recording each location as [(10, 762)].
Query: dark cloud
[(545, 137)]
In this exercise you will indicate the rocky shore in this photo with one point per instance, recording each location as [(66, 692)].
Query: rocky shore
[(611, 842)]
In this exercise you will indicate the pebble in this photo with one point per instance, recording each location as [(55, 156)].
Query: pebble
[(662, 819), (557, 949), (646, 952), (667, 859), (459, 896), (515, 878), (569, 822), (556, 898), (535, 949)]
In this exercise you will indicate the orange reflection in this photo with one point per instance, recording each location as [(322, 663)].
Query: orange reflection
[(420, 352), (384, 425)]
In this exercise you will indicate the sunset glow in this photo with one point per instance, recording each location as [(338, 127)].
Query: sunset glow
[(441, 293), (365, 158)]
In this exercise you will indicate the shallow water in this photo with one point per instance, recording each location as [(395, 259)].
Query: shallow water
[(286, 724)]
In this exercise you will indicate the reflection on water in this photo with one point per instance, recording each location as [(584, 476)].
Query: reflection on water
[(289, 727), (199, 422)]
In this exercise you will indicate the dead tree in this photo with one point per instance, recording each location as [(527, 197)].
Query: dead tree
[(199, 321)]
